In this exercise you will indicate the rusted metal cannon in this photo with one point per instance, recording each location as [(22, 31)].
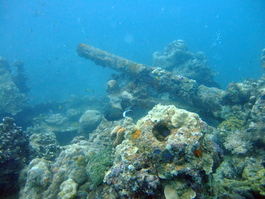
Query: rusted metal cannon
[(180, 87)]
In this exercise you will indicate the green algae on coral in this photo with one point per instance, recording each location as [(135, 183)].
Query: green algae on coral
[(98, 164)]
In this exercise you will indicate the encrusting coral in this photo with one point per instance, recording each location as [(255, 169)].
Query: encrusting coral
[(159, 150)]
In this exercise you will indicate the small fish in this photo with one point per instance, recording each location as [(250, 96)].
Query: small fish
[(88, 90), (59, 107), (157, 77)]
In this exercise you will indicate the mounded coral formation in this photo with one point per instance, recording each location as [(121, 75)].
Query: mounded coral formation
[(77, 171), (55, 119), (38, 179), (178, 59), (45, 145), (163, 150), (68, 189), (89, 122), (12, 100), (46, 179), (14, 155)]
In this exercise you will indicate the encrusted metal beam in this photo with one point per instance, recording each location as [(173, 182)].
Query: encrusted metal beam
[(106, 59), (162, 80)]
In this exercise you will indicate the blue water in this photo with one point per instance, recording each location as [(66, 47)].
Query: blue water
[(44, 35)]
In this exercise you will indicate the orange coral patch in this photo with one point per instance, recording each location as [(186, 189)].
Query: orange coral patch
[(136, 134), (121, 130), (198, 153)]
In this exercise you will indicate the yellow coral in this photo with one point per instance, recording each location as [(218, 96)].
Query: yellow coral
[(136, 134), (231, 124), (113, 133), (119, 136)]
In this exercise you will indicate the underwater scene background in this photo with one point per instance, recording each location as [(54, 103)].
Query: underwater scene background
[(44, 35), (132, 99)]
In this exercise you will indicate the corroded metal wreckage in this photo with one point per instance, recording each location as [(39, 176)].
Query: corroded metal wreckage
[(177, 86)]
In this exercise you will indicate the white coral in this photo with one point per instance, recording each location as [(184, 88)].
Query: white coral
[(55, 119), (237, 143)]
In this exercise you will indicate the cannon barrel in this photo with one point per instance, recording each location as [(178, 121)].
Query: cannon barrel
[(178, 86)]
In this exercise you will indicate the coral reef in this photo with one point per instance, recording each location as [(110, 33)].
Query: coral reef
[(240, 93), (45, 145), (238, 142), (77, 171), (118, 134), (20, 78), (46, 179), (68, 189), (175, 53), (169, 153), (97, 166), (164, 147), (12, 100), (112, 86), (176, 58), (89, 122), (14, 155), (55, 119), (239, 177), (241, 174)]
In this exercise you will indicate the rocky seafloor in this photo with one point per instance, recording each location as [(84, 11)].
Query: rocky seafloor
[(83, 149)]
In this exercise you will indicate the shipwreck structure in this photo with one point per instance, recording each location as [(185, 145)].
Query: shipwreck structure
[(143, 81)]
